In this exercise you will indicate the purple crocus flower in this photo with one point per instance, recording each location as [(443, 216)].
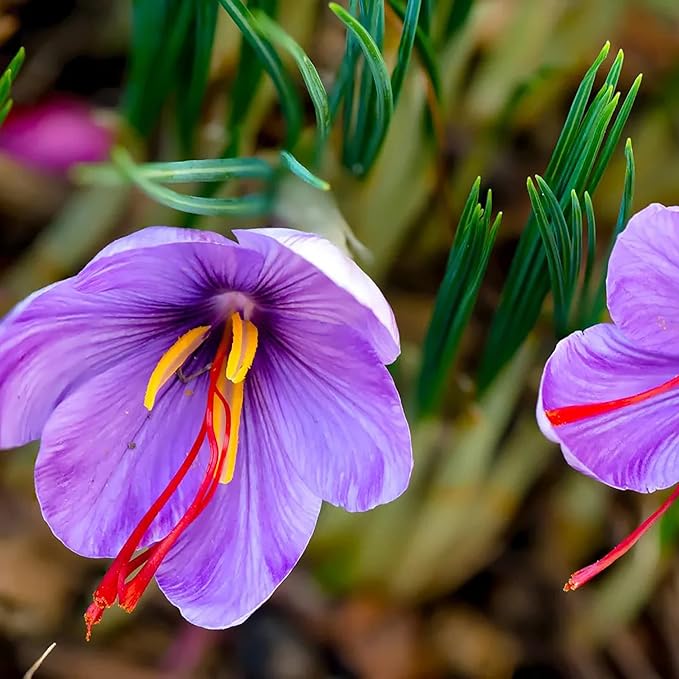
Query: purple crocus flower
[(55, 134), (610, 394), (196, 399)]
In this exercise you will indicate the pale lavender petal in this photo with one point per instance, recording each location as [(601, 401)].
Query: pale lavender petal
[(104, 458), (338, 414), (308, 277), (635, 447), (643, 280), (250, 536), (156, 283)]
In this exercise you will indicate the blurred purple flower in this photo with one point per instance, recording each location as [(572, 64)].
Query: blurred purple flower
[(610, 395), (55, 134), (264, 359)]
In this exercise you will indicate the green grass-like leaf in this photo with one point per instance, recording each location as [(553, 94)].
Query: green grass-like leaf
[(248, 76), (312, 80), (290, 103), (245, 206), (466, 266), (598, 303), (293, 165), (6, 81), (161, 30), (424, 49), (580, 156), (193, 76), (180, 172), (383, 102)]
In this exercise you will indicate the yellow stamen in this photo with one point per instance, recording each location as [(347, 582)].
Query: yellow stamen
[(219, 412), (172, 360), (235, 399), (243, 348)]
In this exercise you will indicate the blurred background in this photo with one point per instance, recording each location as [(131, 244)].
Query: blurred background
[(462, 576)]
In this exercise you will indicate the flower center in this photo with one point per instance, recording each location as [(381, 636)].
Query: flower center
[(130, 575)]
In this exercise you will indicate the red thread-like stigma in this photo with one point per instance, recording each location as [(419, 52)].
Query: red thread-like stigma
[(575, 413), (117, 583)]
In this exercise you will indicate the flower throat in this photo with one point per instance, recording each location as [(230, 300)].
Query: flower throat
[(129, 575)]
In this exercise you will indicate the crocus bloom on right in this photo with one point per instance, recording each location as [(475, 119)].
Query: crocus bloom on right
[(609, 395)]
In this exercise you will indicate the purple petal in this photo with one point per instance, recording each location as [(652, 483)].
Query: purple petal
[(308, 277), (633, 447), (643, 280), (232, 558), (104, 458), (156, 283), (338, 414)]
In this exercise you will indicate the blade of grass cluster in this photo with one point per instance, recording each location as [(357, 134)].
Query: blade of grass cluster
[(343, 87), (193, 79), (312, 80), (289, 101), (161, 29), (616, 132), (405, 46), (355, 144), (467, 263), (599, 298), (584, 145), (384, 104), (424, 49), (569, 132), (245, 206), (556, 243), (248, 76)]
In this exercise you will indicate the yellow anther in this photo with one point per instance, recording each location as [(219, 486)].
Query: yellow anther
[(235, 399), (172, 360), (219, 412), (243, 348)]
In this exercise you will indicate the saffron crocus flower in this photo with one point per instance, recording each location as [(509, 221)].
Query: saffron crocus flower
[(196, 399), (54, 135), (610, 395)]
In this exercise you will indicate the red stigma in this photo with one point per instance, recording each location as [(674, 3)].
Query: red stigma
[(576, 413), (129, 575), (584, 575)]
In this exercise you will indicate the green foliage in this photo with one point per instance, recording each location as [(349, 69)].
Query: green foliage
[(375, 103), (150, 177), (466, 267), (424, 48), (265, 53), (366, 115), (580, 157), (248, 76), (170, 53), (312, 80), (457, 17), (6, 81), (194, 71), (594, 301), (290, 163)]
